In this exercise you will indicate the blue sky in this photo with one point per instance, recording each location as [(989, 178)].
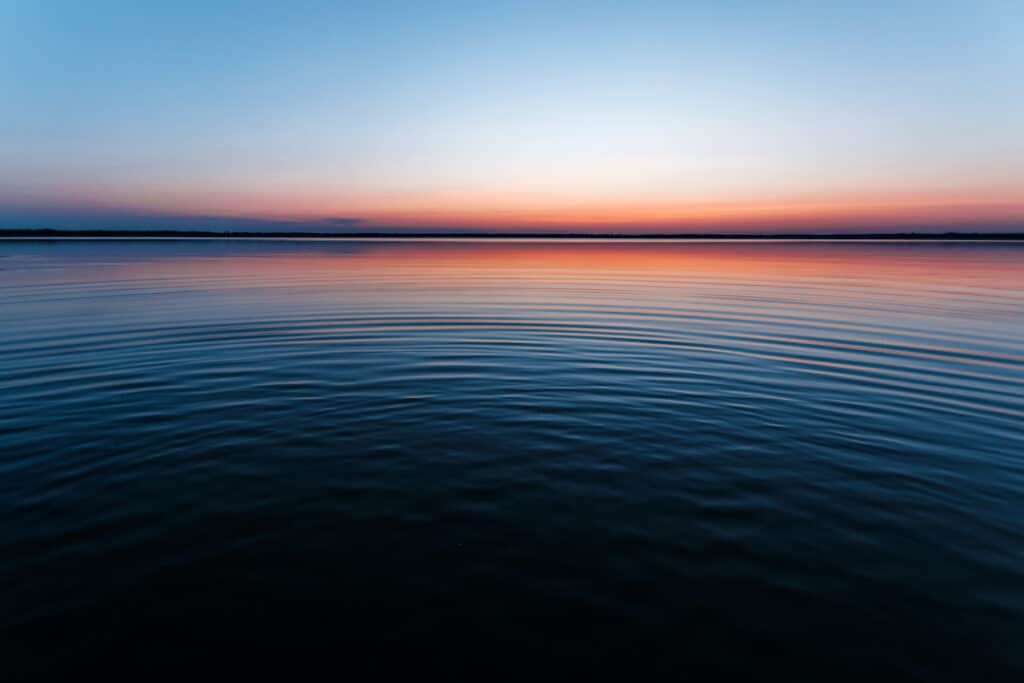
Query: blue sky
[(661, 115)]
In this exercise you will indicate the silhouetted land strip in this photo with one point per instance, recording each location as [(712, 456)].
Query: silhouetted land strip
[(187, 234)]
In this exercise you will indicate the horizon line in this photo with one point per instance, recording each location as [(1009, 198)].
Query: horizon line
[(23, 233)]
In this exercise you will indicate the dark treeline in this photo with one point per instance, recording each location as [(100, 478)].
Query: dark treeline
[(54, 233)]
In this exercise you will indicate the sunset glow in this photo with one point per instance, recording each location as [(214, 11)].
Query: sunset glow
[(582, 116)]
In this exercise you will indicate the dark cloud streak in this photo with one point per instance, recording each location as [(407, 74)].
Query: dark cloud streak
[(77, 219)]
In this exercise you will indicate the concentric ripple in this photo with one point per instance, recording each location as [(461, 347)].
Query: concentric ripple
[(819, 445)]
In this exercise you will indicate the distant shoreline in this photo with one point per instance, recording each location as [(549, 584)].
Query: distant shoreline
[(43, 233)]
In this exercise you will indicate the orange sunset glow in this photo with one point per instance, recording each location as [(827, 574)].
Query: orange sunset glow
[(675, 118)]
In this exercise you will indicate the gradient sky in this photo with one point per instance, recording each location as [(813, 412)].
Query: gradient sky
[(649, 116)]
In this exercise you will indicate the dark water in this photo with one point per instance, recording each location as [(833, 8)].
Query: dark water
[(759, 457)]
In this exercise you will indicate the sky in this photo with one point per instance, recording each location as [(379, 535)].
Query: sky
[(727, 116)]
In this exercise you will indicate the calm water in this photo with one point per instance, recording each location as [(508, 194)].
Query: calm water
[(793, 454)]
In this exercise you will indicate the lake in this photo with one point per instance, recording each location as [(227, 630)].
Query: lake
[(800, 455)]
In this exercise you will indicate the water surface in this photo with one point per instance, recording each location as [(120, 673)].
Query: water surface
[(783, 452)]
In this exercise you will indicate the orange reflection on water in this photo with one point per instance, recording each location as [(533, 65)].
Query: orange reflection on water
[(976, 264)]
